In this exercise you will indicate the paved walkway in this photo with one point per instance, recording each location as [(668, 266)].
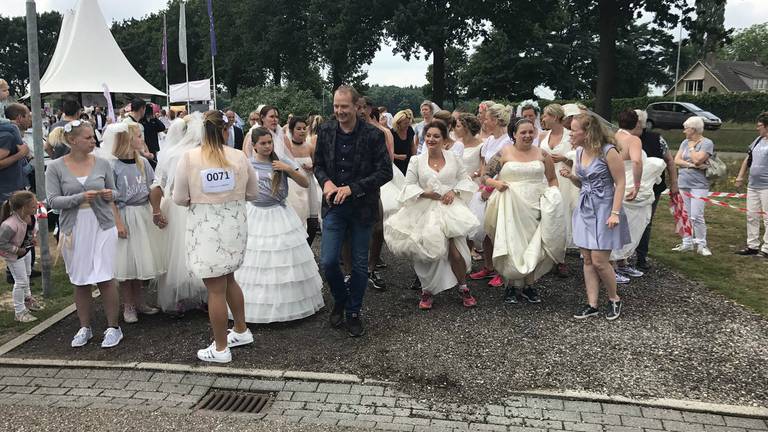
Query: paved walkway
[(356, 406)]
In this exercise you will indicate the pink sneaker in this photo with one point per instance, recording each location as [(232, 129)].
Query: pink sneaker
[(426, 301), (483, 273), (496, 282), (466, 298)]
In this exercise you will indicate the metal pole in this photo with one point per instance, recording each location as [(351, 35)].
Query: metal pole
[(679, 45), (213, 68), (37, 137), (186, 72), (167, 89)]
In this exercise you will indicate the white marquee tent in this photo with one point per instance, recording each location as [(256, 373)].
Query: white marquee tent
[(87, 57)]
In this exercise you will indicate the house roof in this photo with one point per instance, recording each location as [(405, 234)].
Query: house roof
[(728, 73)]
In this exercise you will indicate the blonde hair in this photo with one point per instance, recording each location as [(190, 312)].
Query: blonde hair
[(403, 114), (596, 135), (74, 130), (501, 113), (56, 137), (555, 110), (213, 139), (123, 148)]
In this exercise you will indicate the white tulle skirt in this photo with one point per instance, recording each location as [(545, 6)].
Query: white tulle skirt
[(279, 276), (88, 251), (140, 256), (177, 288), (477, 206)]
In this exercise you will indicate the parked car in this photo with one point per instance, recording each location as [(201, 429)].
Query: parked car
[(671, 115)]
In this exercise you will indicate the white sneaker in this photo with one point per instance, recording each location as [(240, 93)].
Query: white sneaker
[(129, 315), (682, 247), (704, 251), (112, 337), (82, 337), (621, 279), (235, 339), (211, 355), (25, 316), (147, 310)]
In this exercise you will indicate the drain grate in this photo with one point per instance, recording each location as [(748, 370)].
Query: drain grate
[(234, 402)]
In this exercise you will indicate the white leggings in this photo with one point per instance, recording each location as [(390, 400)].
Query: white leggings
[(21, 269), (695, 209)]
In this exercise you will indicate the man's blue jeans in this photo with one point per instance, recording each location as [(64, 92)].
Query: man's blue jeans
[(339, 221)]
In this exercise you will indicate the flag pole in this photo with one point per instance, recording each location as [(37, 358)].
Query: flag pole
[(165, 49), (212, 34), (213, 68), (186, 72)]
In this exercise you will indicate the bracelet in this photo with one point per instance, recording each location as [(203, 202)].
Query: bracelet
[(614, 212), (157, 214)]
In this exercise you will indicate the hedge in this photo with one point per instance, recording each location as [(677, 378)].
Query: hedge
[(735, 107)]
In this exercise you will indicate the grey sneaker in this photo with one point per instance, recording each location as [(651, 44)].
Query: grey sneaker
[(112, 337), (621, 279), (82, 337), (630, 271), (25, 316)]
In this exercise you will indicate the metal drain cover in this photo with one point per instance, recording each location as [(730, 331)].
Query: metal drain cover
[(234, 402)]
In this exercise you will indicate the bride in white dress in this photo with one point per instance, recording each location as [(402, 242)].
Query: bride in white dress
[(434, 221), (525, 215), (178, 289)]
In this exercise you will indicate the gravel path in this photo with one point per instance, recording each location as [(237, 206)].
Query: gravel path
[(674, 339)]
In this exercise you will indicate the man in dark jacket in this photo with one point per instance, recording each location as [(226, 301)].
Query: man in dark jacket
[(351, 164)]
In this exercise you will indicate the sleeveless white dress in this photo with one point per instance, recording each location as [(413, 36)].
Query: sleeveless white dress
[(525, 222), (568, 191), (421, 229)]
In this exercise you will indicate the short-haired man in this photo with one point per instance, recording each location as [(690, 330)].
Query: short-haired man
[(70, 111), (427, 112), (13, 151), (351, 164), (235, 132)]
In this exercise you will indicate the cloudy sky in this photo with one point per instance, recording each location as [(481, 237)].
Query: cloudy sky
[(386, 67)]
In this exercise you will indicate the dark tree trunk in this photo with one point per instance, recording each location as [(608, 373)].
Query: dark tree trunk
[(438, 74), (606, 69), (336, 78)]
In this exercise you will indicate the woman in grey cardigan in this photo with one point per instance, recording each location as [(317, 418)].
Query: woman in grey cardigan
[(82, 187)]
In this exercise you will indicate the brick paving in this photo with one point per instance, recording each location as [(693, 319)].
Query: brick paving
[(357, 406)]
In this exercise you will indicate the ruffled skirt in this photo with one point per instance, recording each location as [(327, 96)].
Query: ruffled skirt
[(88, 251), (140, 256), (279, 276)]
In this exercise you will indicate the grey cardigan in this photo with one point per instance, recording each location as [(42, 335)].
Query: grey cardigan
[(66, 193)]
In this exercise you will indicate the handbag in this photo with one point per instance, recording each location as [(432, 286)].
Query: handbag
[(716, 168)]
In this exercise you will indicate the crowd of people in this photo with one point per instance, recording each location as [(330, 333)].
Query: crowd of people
[(215, 216)]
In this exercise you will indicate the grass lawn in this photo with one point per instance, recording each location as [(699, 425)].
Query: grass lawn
[(61, 298), (732, 137)]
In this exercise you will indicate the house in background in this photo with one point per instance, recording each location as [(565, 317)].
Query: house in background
[(720, 76)]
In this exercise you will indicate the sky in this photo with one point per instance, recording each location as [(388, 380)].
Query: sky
[(387, 68)]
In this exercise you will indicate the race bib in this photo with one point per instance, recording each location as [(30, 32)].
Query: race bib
[(217, 180)]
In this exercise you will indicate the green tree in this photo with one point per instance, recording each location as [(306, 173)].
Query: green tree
[(707, 32), (431, 26), (288, 99), (14, 67), (346, 36), (749, 44)]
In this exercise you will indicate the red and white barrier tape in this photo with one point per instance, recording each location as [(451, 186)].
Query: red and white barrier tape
[(723, 204), (719, 194)]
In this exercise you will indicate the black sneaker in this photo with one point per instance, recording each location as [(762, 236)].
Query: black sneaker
[(586, 312), (376, 281), (531, 295), (355, 325), (510, 295), (380, 264), (36, 273), (337, 316), (416, 285), (614, 310), (9, 278), (747, 251)]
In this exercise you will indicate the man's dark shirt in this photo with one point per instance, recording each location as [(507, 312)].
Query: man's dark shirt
[(655, 146), (345, 154)]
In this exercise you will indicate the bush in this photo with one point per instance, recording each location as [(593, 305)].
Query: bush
[(735, 107), (287, 99)]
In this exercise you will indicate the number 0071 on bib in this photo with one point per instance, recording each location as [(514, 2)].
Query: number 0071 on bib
[(217, 180)]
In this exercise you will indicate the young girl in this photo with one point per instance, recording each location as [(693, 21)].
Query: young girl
[(139, 258), (18, 234), (279, 276)]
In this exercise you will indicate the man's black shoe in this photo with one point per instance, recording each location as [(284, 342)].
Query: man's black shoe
[(747, 251), (337, 316), (9, 278), (416, 285), (643, 266), (376, 281), (36, 273), (355, 325)]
